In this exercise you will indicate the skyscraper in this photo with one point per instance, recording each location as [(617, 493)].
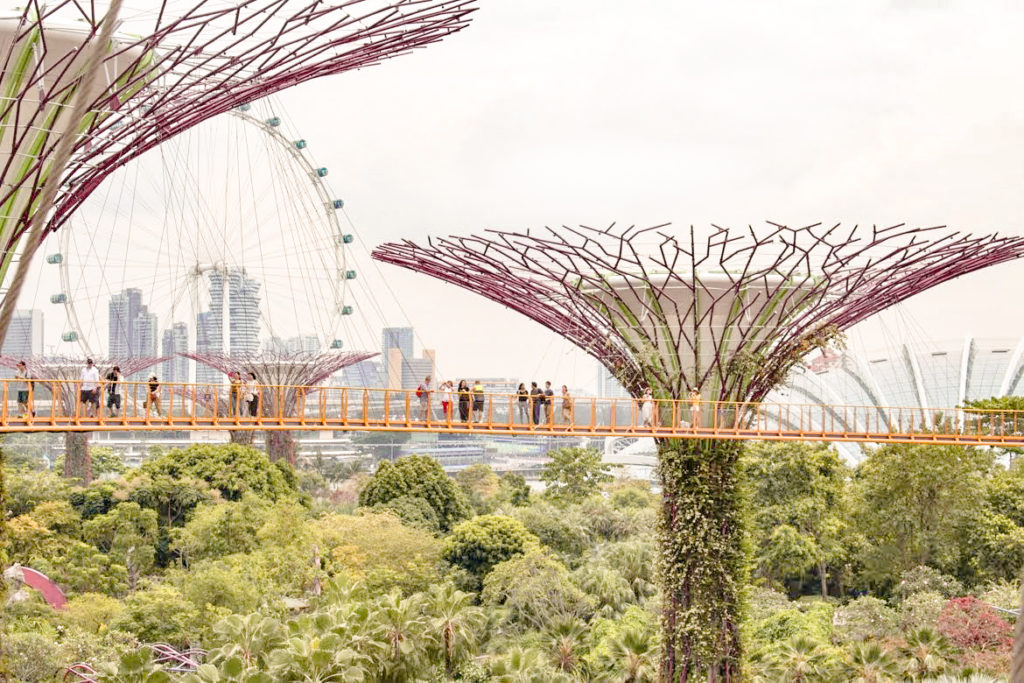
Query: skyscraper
[(243, 312), (25, 335), (396, 353), (243, 319), (608, 386), (175, 341), (122, 311)]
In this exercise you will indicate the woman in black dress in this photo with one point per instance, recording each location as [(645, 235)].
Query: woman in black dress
[(463, 391)]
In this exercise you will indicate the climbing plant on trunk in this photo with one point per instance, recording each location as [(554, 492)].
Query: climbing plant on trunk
[(697, 318)]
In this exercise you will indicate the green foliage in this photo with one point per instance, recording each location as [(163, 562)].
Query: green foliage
[(24, 489), (104, 462), (92, 612), (128, 534), (413, 511), (232, 469), (513, 489), (865, 618), (478, 544), (920, 610), (379, 549), (158, 614), (702, 555), (909, 501), (928, 579), (811, 621), (417, 476), (563, 533), (574, 474), (796, 493), (276, 589), (536, 589), (30, 656), (221, 529), (480, 485)]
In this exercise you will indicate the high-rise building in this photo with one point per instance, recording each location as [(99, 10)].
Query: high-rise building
[(362, 374), (396, 353), (306, 343), (608, 386), (145, 334), (174, 342), (122, 311), (243, 312), (243, 319), (24, 335)]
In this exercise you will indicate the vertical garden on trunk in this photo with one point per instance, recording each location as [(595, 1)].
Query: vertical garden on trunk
[(707, 323)]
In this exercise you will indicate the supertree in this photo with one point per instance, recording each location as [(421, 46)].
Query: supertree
[(726, 316), (109, 97), (285, 378), (61, 374)]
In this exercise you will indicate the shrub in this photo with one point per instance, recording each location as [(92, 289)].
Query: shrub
[(419, 477), (413, 511), (536, 590), (921, 610), (923, 578), (865, 618), (379, 549), (92, 612), (233, 469), (30, 656), (159, 614), (478, 544), (968, 623)]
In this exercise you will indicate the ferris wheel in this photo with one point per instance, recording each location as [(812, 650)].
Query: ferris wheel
[(228, 232)]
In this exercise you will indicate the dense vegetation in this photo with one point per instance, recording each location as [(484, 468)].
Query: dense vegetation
[(890, 571)]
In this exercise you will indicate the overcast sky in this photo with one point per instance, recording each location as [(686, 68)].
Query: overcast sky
[(592, 111)]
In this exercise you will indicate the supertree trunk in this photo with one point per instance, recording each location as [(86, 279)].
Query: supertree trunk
[(241, 436), (77, 460), (280, 445), (701, 559), (693, 321)]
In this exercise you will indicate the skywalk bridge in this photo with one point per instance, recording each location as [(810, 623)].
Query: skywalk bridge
[(57, 406)]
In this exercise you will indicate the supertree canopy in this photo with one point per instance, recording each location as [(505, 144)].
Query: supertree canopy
[(64, 373), (171, 65), (284, 378), (727, 316)]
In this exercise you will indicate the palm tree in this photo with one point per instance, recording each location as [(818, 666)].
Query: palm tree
[(566, 644), (457, 621), (927, 654), (404, 630), (608, 585), (871, 663), (521, 665), (633, 656), (799, 660)]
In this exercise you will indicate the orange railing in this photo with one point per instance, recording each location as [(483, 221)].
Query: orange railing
[(57, 405)]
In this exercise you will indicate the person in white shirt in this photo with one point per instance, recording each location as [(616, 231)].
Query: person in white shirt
[(89, 394), (446, 399), (252, 394), (24, 388)]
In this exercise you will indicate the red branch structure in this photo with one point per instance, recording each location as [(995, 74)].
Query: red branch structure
[(282, 373), (172, 66), (728, 315), (77, 460)]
